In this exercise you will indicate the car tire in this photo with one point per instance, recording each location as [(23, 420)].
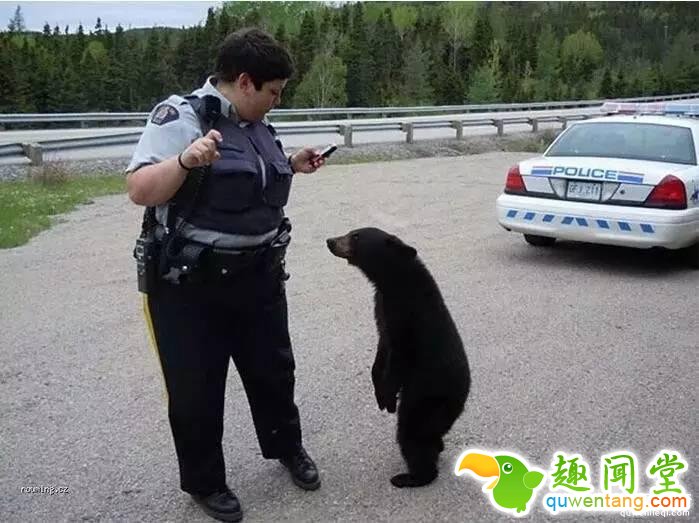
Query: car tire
[(539, 241), (692, 255)]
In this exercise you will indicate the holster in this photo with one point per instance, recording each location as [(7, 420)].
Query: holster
[(147, 255)]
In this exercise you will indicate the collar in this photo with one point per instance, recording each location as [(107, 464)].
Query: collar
[(227, 108)]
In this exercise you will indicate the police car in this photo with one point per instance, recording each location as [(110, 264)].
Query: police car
[(630, 178)]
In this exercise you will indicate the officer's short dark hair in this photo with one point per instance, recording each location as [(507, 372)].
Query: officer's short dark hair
[(254, 52)]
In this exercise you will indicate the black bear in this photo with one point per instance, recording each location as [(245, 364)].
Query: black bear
[(420, 356)]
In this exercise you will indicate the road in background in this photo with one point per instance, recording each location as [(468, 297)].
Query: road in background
[(294, 140)]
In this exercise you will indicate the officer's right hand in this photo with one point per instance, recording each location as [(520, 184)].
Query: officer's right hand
[(202, 151)]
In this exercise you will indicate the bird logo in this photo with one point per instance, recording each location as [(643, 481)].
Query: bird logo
[(514, 481)]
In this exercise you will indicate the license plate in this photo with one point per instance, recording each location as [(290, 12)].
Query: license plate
[(584, 190)]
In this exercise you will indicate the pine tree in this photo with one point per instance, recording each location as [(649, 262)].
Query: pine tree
[(211, 39), (16, 24), (482, 38), (306, 44), (25, 75), (620, 85), (486, 83), (547, 60), (225, 26), (8, 76), (416, 89), (358, 61), (606, 89)]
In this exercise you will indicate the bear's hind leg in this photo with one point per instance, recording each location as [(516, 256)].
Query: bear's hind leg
[(421, 458), (419, 445)]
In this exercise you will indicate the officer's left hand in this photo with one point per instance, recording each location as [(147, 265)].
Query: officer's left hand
[(306, 160)]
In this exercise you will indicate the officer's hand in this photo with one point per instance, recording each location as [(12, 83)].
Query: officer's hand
[(202, 151), (306, 160)]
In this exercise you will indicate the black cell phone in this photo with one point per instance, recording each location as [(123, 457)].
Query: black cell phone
[(328, 150)]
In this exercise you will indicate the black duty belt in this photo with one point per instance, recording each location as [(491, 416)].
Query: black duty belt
[(195, 261), (225, 261)]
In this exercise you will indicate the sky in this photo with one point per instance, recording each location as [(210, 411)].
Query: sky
[(130, 14)]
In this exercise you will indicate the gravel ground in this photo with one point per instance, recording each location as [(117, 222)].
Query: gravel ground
[(582, 349)]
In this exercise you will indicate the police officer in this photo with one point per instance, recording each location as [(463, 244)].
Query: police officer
[(213, 170)]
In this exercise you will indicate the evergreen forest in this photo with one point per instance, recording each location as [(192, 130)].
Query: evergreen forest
[(368, 54)]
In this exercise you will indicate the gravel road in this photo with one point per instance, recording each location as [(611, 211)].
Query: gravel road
[(582, 349)]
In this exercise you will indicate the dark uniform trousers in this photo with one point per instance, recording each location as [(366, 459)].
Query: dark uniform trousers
[(197, 328)]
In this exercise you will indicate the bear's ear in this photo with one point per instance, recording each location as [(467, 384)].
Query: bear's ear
[(404, 249)]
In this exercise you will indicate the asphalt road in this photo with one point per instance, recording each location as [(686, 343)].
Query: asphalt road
[(578, 348)]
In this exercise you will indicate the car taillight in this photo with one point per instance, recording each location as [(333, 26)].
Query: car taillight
[(515, 183), (668, 194)]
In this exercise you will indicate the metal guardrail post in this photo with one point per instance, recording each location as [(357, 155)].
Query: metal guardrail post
[(459, 129), (33, 151), (346, 131), (407, 128), (534, 122), (500, 126), (564, 122)]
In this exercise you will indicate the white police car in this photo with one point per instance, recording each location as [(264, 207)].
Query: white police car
[(627, 179)]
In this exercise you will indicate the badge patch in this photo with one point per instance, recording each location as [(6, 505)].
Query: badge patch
[(164, 114)]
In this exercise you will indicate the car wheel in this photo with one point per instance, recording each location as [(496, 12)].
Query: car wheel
[(692, 254), (539, 241)]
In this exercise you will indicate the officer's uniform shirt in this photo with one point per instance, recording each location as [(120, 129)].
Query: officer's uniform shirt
[(172, 126)]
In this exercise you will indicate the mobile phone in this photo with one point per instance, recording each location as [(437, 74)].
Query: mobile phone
[(328, 150)]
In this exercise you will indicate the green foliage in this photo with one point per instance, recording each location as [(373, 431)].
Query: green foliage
[(324, 84), (270, 15), (416, 88), (681, 63), (547, 61), (393, 52), (486, 83), (581, 55), (358, 61), (482, 38), (606, 89)]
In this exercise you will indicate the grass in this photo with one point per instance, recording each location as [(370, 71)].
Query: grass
[(26, 206)]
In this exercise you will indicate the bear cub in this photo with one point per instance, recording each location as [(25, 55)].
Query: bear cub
[(420, 357)]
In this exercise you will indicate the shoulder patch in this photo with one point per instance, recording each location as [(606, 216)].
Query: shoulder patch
[(164, 114)]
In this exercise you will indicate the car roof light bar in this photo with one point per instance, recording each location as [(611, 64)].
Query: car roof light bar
[(677, 109)]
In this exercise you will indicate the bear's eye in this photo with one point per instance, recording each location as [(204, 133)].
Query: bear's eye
[(507, 468)]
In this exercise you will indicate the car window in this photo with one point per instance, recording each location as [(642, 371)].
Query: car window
[(636, 141)]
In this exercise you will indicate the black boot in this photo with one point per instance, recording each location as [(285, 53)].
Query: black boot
[(222, 505), (303, 471)]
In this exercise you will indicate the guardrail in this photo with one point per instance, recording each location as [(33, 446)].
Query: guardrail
[(35, 151), (348, 112)]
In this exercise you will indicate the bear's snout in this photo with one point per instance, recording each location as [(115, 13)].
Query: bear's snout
[(339, 246)]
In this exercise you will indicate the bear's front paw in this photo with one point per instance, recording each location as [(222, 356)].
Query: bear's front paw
[(385, 400)]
